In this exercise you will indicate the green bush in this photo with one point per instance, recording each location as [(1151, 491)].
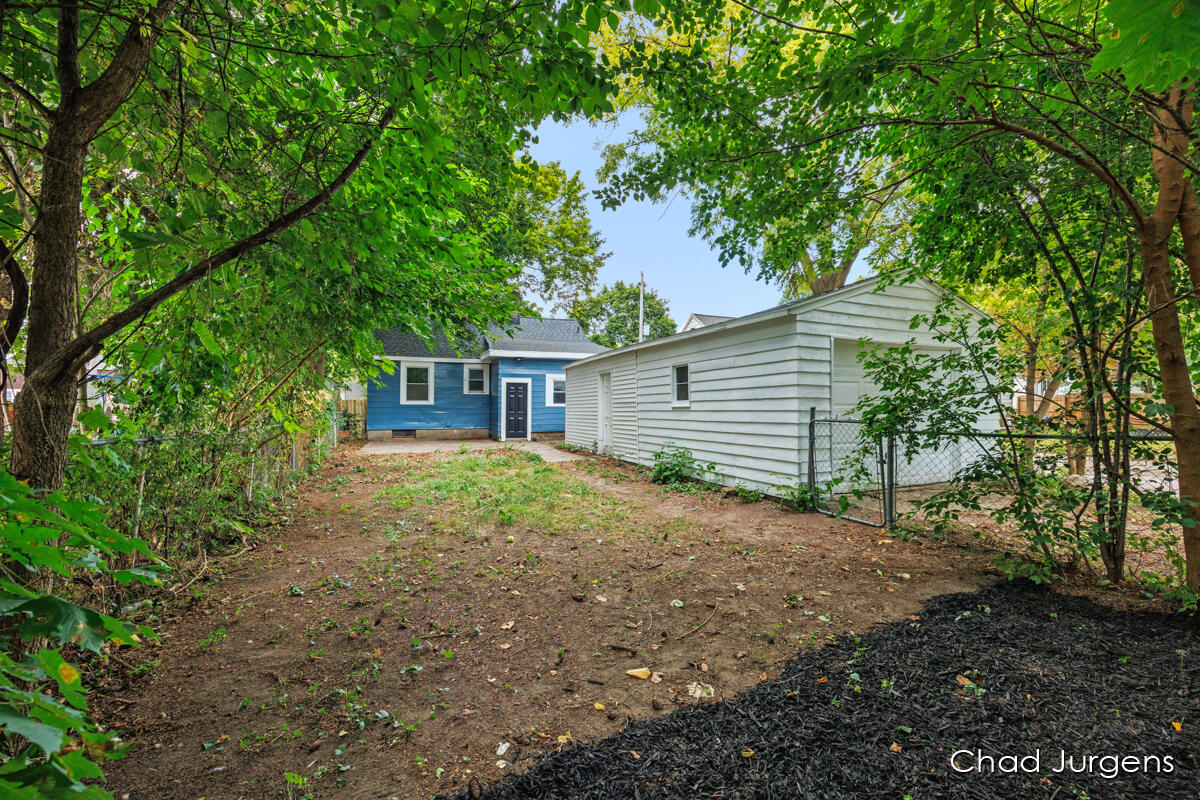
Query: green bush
[(50, 540), (676, 466), (796, 496), (746, 494)]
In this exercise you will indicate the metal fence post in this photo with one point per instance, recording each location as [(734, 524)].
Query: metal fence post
[(141, 492), (812, 454), (889, 484)]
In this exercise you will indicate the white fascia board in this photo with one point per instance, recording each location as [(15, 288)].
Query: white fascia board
[(432, 360), (491, 355)]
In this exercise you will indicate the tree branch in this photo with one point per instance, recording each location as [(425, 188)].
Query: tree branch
[(20, 301), (90, 342), (29, 96)]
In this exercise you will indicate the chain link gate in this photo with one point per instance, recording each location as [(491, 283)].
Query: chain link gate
[(848, 476)]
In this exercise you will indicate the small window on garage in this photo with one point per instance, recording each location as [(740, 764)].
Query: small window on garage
[(416, 383), (680, 393), (556, 390), (475, 379)]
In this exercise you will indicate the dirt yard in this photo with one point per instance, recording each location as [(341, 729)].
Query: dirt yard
[(424, 622)]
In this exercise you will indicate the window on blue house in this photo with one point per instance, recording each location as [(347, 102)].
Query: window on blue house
[(556, 390), (416, 383), (475, 379)]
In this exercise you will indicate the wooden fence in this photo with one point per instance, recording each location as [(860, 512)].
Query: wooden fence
[(354, 411)]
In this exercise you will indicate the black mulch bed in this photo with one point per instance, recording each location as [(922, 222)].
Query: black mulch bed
[(1048, 672)]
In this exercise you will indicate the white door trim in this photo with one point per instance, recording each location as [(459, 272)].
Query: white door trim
[(528, 408)]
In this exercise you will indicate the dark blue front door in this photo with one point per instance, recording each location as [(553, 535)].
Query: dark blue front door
[(516, 410)]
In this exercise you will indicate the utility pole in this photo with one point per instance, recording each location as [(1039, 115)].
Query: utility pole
[(642, 309)]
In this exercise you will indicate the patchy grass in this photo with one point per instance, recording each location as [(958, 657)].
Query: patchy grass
[(485, 493), (417, 612)]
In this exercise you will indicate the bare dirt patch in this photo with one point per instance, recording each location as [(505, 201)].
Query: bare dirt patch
[(418, 613)]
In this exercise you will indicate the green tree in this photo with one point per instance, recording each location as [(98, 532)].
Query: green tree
[(231, 128), (958, 101), (610, 316), (556, 244)]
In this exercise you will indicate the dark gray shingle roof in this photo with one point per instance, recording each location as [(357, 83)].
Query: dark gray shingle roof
[(529, 334), (543, 335), (403, 343)]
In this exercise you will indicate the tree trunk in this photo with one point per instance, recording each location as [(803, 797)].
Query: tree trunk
[(1154, 239), (1176, 382), (44, 410)]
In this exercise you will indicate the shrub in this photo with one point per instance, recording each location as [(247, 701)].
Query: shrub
[(796, 496), (43, 708), (676, 466), (746, 494)]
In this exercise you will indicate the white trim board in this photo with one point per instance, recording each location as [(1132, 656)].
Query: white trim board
[(503, 427), (432, 360), (491, 354)]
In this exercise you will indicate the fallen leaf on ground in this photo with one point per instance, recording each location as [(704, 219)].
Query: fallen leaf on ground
[(895, 748), (599, 706), (1177, 726), (640, 672), (963, 680), (508, 625), (656, 677)]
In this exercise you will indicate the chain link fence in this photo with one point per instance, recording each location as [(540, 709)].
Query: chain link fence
[(846, 473), (187, 491), (880, 480)]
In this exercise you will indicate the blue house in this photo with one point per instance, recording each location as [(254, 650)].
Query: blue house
[(499, 385)]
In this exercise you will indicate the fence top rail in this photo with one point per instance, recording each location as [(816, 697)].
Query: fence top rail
[(1134, 435)]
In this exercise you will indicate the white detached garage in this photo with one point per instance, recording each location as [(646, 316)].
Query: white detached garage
[(738, 393)]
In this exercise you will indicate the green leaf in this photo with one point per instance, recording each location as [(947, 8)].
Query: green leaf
[(206, 338), (96, 419), (69, 682), (48, 738)]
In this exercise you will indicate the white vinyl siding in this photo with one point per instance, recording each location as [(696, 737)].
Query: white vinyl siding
[(583, 394), (750, 387)]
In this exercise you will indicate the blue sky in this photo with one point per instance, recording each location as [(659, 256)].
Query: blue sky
[(652, 237)]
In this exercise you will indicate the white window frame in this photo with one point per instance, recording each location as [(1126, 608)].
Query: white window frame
[(675, 401), (404, 366), (487, 378), (550, 379)]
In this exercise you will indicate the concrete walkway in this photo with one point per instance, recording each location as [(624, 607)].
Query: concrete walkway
[(400, 446)]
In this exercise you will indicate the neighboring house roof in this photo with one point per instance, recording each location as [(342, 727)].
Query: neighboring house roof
[(803, 303), (702, 321), (562, 337)]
